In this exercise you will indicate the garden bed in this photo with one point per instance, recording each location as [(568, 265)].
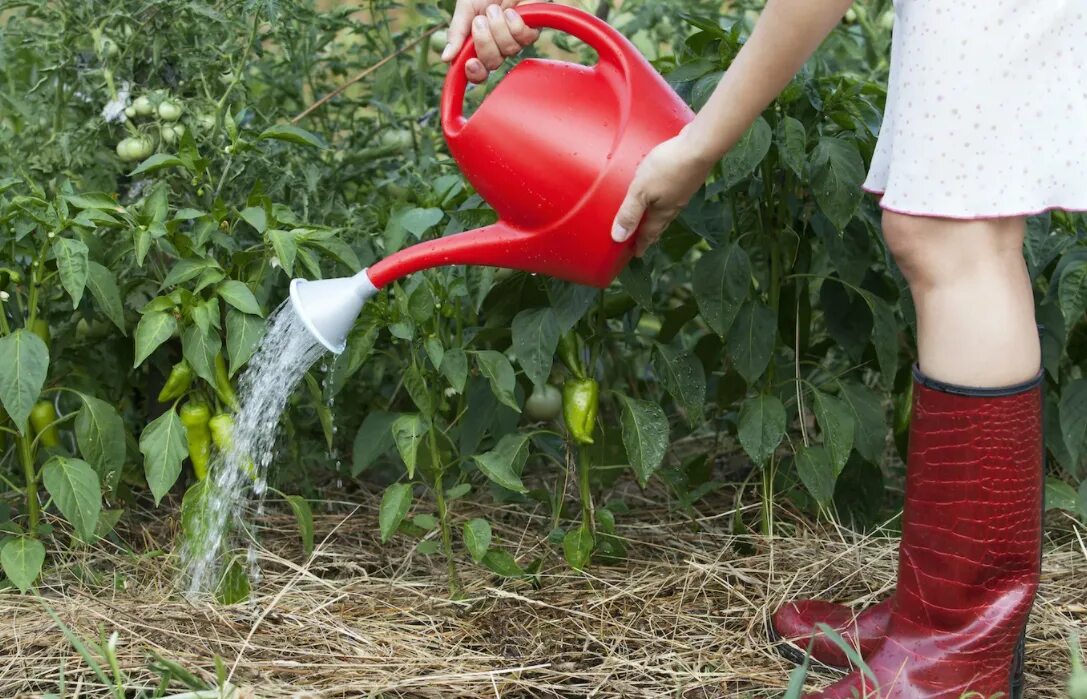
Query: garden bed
[(683, 618)]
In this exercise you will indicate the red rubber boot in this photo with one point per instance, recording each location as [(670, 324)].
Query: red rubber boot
[(796, 626), (970, 556)]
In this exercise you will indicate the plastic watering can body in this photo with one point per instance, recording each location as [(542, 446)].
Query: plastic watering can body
[(553, 149)]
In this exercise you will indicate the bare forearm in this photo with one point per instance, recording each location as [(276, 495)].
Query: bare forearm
[(786, 34)]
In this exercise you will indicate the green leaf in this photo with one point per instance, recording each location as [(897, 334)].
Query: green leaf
[(535, 337), (751, 340), (71, 257), (422, 392), (477, 537), (199, 348), (374, 438), (745, 156), (499, 372), (502, 563), (24, 364), (837, 425), (837, 172), (292, 134), (1060, 496), (434, 350), (93, 200), (762, 427), (156, 207), (153, 329), (233, 587), (158, 161), (683, 377), (238, 295), (722, 278), (885, 340), (415, 221), (455, 368), (304, 516), (869, 419), (100, 434), (1072, 292), (1073, 416), (816, 472), (792, 144), (186, 270), (285, 245), (577, 547), (645, 435), (76, 492), (256, 217), (22, 558), (421, 304), (103, 287), (504, 463), (408, 431), (164, 448), (243, 335), (394, 506)]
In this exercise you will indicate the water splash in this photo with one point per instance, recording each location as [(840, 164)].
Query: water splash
[(240, 474)]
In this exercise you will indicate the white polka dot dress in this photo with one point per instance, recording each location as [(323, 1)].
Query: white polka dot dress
[(986, 109)]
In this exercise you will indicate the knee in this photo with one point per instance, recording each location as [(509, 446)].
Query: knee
[(934, 252), (909, 239)]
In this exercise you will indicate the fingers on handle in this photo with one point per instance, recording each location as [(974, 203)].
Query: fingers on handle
[(486, 46), (629, 216), (651, 230), (521, 32), (458, 30), (501, 31)]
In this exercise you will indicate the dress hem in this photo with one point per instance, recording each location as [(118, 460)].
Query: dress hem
[(970, 217)]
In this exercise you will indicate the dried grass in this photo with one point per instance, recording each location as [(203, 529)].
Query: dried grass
[(684, 617)]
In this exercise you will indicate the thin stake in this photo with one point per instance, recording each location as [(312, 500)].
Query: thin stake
[(406, 47)]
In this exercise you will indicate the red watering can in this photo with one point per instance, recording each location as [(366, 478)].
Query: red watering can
[(553, 149)]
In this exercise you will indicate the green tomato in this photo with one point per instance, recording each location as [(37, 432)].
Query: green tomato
[(130, 112), (851, 16), (168, 135), (887, 21), (169, 111), (134, 148), (143, 106), (545, 403), (438, 40), (206, 122), (396, 138)]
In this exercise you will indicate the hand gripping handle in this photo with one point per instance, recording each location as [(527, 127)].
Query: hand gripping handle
[(612, 47)]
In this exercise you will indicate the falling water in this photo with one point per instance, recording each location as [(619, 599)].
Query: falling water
[(240, 474)]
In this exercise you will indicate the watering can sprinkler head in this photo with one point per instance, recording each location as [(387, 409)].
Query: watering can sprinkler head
[(328, 307)]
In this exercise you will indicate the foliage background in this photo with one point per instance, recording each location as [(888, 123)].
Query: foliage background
[(771, 321)]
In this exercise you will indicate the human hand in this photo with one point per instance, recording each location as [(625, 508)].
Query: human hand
[(663, 184), (496, 29)]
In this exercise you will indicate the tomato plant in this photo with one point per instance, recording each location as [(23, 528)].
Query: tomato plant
[(161, 186)]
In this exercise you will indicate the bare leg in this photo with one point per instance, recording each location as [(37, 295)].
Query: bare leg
[(975, 306)]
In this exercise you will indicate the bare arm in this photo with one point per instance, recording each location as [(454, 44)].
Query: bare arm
[(785, 36)]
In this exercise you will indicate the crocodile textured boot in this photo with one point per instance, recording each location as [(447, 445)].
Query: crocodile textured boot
[(970, 555)]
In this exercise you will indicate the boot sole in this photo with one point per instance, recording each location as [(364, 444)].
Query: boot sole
[(1018, 663), (795, 655)]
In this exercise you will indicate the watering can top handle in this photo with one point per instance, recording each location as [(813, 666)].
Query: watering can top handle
[(609, 44)]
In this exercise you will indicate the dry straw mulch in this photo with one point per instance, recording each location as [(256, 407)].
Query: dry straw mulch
[(685, 617)]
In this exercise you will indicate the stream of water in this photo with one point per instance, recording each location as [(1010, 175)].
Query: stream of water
[(239, 476)]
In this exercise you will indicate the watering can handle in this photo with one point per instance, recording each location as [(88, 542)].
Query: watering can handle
[(609, 44)]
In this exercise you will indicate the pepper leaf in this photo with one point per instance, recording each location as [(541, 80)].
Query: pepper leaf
[(75, 490), (163, 447), (24, 363)]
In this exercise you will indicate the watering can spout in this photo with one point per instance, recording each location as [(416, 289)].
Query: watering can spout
[(328, 307)]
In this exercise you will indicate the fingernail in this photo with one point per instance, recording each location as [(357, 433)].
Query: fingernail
[(494, 12), (447, 52), (480, 22), (511, 16), (619, 234)]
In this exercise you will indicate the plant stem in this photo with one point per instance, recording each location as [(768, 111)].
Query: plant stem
[(583, 465), (443, 518), (33, 508)]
